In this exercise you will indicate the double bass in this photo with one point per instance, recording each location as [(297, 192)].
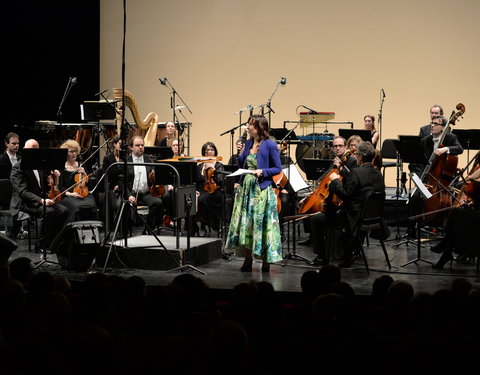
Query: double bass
[(440, 172), (321, 200)]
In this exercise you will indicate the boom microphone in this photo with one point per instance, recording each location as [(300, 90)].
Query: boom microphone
[(163, 81), (283, 81)]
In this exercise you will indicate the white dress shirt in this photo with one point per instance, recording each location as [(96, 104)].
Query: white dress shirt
[(140, 182)]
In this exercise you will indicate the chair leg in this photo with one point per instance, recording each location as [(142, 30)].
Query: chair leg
[(386, 254), (362, 253)]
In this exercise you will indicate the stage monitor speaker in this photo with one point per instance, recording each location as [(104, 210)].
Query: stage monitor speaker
[(77, 244), (7, 246)]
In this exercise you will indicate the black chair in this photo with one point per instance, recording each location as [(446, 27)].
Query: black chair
[(6, 192), (389, 151), (372, 223)]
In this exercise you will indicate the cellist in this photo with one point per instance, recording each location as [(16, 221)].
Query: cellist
[(451, 145), (463, 221), (339, 150)]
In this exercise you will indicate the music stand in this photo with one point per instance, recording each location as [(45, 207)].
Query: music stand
[(283, 134), (468, 138), (159, 152), (410, 138), (44, 159), (314, 168), (366, 135)]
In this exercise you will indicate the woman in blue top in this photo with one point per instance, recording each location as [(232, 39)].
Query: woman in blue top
[(254, 227)]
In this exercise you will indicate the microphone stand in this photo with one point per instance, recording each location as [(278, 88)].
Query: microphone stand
[(71, 82), (282, 82), (232, 131), (173, 94), (380, 117)]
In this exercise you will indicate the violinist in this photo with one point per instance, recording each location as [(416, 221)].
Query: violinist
[(28, 187), (73, 183), (351, 190), (463, 222), (138, 189), (209, 191), (352, 143), (451, 145), (350, 162)]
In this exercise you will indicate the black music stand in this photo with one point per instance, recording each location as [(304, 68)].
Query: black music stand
[(283, 134), (44, 159), (159, 152), (315, 168), (469, 139), (366, 135)]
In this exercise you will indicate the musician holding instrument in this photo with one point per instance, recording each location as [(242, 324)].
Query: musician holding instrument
[(254, 226), (73, 186), (28, 186), (344, 162), (138, 188), (351, 191), (209, 183), (430, 144), (461, 229)]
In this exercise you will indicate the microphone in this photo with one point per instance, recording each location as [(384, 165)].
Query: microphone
[(283, 81), (163, 81), (179, 107), (311, 110), (101, 92), (73, 80), (383, 93)]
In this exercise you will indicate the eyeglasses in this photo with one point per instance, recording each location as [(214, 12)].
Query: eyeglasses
[(435, 123), (73, 151)]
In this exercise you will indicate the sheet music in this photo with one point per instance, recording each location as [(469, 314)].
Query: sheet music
[(423, 190), (296, 180), (240, 172)]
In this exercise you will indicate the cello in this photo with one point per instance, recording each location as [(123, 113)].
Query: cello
[(321, 200), (440, 172)]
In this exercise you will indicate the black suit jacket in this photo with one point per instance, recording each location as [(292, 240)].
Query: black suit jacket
[(26, 190), (131, 171), (6, 165), (359, 181), (425, 130), (451, 141)]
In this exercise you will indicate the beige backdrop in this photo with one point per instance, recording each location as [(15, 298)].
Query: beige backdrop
[(221, 55)]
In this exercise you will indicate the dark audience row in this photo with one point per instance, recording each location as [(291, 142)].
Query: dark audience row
[(113, 324)]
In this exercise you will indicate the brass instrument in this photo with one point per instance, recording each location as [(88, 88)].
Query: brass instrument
[(150, 124)]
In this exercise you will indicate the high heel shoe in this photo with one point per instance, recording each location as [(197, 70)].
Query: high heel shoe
[(247, 265), (446, 257), (265, 267)]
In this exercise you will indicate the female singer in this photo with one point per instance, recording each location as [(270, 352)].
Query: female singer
[(369, 121), (171, 134), (80, 206), (254, 227), (208, 189)]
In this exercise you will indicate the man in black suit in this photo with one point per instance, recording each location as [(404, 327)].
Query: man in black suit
[(352, 191), (10, 156), (28, 186), (425, 130), (138, 184)]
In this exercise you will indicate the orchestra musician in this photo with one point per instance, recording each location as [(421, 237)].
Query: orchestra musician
[(254, 226), (10, 156), (28, 186), (209, 193), (451, 145), (462, 223), (351, 191), (339, 150), (352, 143), (138, 189), (170, 135), (73, 183), (369, 124), (435, 111)]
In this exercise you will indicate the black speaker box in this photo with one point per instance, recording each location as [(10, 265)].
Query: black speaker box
[(7, 246), (77, 244)]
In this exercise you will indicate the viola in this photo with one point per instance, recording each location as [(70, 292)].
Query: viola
[(155, 190), (321, 200), (53, 192), (210, 186), (81, 187), (439, 174)]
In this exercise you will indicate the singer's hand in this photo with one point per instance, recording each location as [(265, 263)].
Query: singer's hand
[(257, 172)]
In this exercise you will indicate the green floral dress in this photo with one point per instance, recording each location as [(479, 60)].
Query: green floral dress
[(254, 223)]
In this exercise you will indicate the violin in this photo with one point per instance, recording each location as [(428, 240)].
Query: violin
[(210, 186), (81, 187), (440, 172), (321, 200), (155, 190), (53, 192)]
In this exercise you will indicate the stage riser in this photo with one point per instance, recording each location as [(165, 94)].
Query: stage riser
[(156, 258)]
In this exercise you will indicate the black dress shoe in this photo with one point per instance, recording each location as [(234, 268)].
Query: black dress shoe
[(438, 248), (446, 257), (318, 261), (306, 242)]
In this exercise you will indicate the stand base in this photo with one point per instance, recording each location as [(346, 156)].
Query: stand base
[(295, 256), (418, 259), (187, 267), (43, 261)]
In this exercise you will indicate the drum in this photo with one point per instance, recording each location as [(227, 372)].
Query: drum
[(320, 149)]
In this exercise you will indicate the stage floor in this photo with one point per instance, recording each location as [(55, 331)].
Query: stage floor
[(224, 271)]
